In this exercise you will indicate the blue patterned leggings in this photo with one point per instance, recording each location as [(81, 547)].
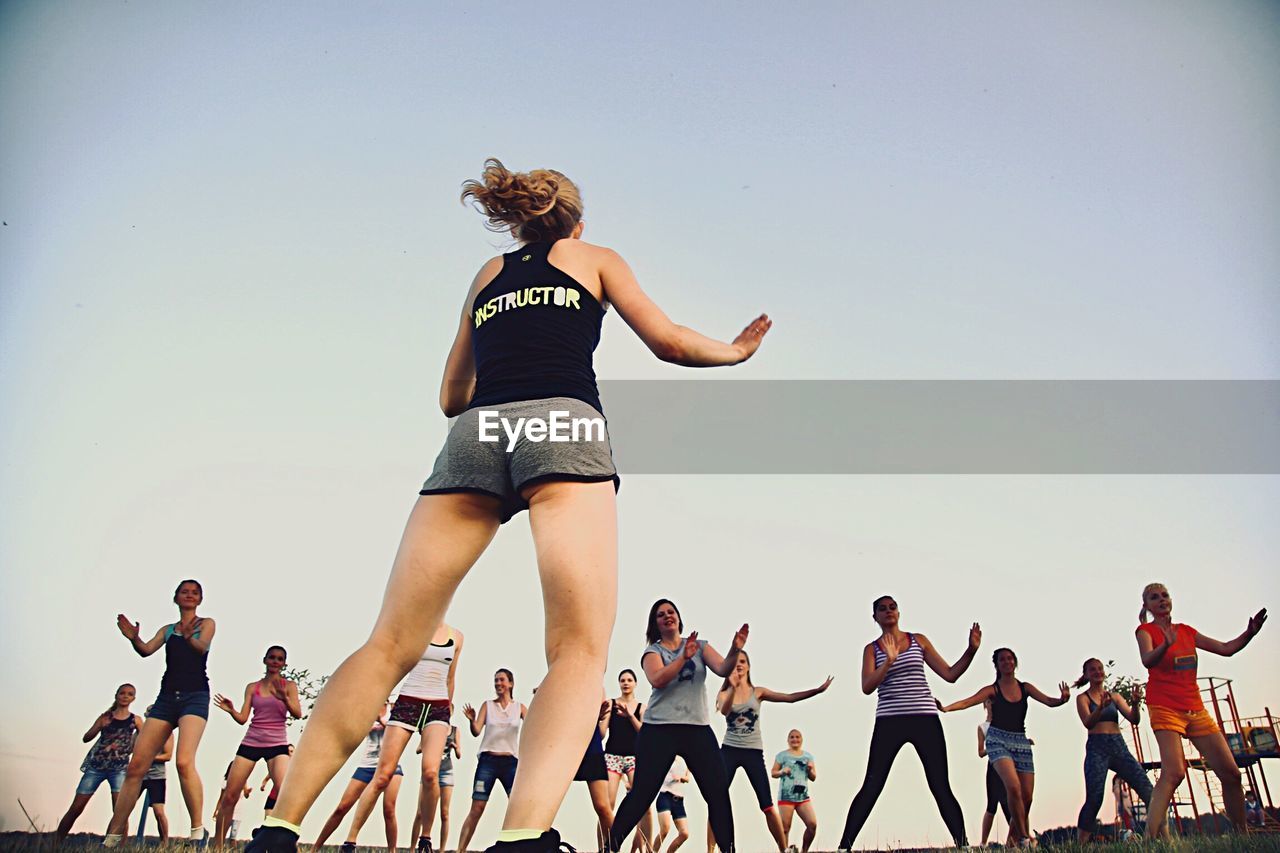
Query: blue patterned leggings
[(1104, 752)]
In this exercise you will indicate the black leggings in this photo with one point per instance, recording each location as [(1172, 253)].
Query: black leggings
[(657, 746), (752, 763), (924, 732), (996, 793)]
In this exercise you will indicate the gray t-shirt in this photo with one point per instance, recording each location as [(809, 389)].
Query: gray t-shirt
[(684, 699), (742, 725)]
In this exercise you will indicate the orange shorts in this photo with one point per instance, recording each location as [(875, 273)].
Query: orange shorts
[(1185, 723)]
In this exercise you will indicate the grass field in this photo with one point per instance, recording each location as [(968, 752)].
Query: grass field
[(30, 843)]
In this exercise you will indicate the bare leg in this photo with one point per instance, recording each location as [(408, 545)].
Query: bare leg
[(433, 738), (664, 829), (389, 798), (349, 798), (443, 538), (469, 823), (237, 776), (162, 822), (1173, 770), (599, 791), (394, 740), (145, 749), (576, 539), (190, 730), (1215, 750), (1013, 790), (785, 814), (446, 797), (682, 835), (1028, 783), (773, 823), (78, 802), (987, 819), (809, 815)]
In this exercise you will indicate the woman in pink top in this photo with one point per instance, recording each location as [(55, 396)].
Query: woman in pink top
[(266, 703)]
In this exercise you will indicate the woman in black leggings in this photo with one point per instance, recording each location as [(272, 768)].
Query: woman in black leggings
[(906, 712), (677, 723)]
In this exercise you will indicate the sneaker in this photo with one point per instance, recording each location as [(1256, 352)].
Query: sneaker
[(793, 849), (272, 839), (348, 845), (424, 844), (547, 842)]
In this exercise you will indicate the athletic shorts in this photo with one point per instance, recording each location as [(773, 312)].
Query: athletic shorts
[(620, 765), (669, 802), (365, 774), (91, 779), (262, 753), (793, 803), (173, 705), (413, 714), (1011, 745), (492, 768), (155, 788), (1186, 723), (572, 445), (592, 768)]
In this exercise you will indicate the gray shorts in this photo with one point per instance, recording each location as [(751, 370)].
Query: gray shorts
[(571, 443)]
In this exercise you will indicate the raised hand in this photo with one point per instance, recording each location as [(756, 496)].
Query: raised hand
[(890, 648), (129, 629), (469, 712), (224, 703), (691, 645), (1137, 693), (975, 636), (604, 709), (740, 638), (1065, 690), (822, 688), (1170, 633), (1255, 622), (279, 687), (748, 340)]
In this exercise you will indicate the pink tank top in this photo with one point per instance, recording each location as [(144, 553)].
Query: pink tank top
[(266, 726)]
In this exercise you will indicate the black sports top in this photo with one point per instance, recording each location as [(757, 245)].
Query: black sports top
[(1009, 716), (534, 331), (184, 669), (622, 735)]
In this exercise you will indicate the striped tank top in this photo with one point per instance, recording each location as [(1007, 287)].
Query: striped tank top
[(904, 689)]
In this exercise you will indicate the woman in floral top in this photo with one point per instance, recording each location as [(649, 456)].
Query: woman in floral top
[(107, 759)]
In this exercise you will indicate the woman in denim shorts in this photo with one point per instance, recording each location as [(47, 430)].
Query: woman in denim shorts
[(1008, 748), (183, 704), (115, 729)]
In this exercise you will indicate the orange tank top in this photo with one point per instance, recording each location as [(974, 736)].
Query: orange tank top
[(1171, 683)]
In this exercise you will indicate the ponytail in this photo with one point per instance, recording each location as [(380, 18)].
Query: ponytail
[(538, 206)]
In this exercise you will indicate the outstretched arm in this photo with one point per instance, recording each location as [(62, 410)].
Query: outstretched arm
[(1230, 647), (668, 341), (723, 666), (976, 699), (1064, 694), (242, 716), (951, 672), (767, 695), (132, 632)]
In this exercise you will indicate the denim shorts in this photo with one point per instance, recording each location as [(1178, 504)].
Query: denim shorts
[(669, 802), (1012, 745), (492, 768), (365, 774), (91, 779), (173, 705)]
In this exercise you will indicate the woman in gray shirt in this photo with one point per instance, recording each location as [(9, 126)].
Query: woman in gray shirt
[(677, 722)]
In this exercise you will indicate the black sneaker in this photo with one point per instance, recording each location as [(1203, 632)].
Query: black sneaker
[(547, 842), (424, 844), (272, 839), (348, 845)]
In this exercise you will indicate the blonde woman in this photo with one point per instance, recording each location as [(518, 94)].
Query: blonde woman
[(522, 357), (1169, 652)]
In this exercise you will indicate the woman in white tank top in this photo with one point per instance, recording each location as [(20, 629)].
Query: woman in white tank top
[(424, 705), (500, 720)]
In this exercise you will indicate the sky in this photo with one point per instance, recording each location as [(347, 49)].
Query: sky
[(233, 256)]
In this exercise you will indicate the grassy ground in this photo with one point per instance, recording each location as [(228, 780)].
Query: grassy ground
[(30, 843)]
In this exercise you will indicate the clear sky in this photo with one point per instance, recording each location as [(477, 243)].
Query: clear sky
[(233, 257)]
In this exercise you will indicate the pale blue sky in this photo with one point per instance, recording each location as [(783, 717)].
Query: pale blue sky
[(234, 257)]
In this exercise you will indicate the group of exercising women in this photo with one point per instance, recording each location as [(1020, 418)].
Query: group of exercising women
[(522, 357)]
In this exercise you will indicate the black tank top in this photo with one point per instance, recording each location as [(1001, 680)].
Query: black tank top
[(1006, 715), (184, 668), (534, 332), (622, 735)]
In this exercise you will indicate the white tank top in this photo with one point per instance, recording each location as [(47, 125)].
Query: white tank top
[(429, 679), (501, 728)]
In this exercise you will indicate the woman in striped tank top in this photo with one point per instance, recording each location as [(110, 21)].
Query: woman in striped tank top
[(906, 712)]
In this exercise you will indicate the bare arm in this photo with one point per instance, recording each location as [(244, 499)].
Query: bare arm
[(1087, 717), (776, 770), (976, 699), (950, 672), (457, 743), (1064, 694), (166, 752), (666, 340), (724, 699), (132, 633), (1230, 647), (1129, 712), (813, 771), (1151, 653), (767, 695), (241, 716), (205, 628), (292, 701), (872, 675), (453, 666), (982, 743), (99, 723), (459, 380), (477, 718)]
